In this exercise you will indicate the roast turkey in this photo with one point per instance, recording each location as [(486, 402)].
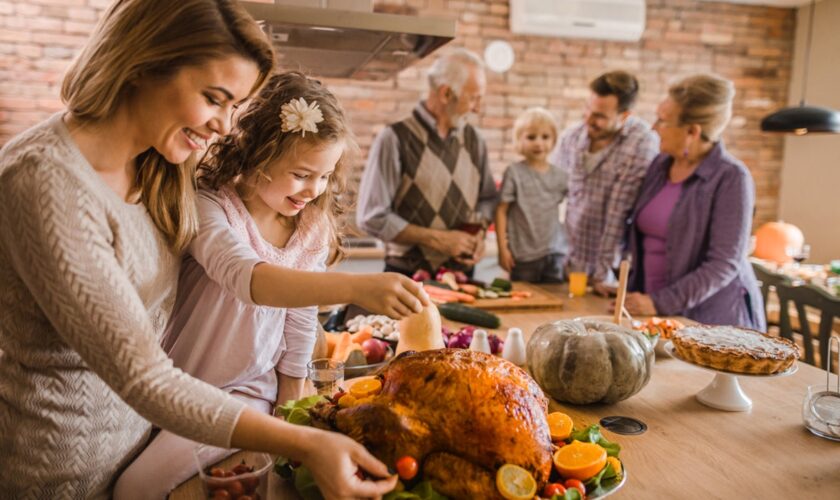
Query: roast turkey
[(462, 414)]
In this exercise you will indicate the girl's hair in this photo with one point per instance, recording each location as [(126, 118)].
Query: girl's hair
[(257, 142), (705, 100), (534, 117), (140, 39)]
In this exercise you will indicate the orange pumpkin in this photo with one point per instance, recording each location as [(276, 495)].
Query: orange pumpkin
[(773, 238)]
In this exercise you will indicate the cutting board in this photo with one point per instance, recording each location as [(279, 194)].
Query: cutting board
[(539, 299)]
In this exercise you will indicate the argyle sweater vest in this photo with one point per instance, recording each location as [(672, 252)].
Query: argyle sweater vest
[(439, 187)]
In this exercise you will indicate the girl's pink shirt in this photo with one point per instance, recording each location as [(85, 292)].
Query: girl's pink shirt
[(216, 332)]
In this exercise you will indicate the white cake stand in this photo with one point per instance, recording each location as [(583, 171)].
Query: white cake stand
[(724, 392)]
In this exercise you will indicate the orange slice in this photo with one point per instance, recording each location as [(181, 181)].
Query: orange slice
[(515, 483), (365, 388), (616, 465), (580, 460), (559, 426)]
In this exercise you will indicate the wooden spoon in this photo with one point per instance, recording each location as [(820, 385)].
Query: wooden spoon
[(623, 271)]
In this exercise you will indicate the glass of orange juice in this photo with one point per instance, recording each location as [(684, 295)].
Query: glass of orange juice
[(577, 280)]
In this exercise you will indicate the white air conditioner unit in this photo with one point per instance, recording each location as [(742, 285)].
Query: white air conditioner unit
[(599, 19)]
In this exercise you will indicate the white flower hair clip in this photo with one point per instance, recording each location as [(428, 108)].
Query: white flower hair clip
[(299, 116)]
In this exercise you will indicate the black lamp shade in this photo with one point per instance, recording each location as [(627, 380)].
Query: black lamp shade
[(801, 120)]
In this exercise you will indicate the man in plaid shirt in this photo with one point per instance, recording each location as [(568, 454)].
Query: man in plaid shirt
[(606, 157)]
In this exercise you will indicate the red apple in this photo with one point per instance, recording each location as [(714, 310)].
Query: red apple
[(374, 350)]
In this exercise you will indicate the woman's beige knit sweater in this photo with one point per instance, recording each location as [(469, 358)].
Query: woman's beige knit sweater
[(86, 286)]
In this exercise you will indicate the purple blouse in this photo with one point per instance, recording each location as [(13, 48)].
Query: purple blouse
[(653, 225), (709, 278)]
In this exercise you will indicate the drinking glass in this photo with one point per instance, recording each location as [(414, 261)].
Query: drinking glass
[(577, 280), (326, 375), (798, 254)]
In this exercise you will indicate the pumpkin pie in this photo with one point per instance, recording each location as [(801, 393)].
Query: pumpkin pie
[(734, 349)]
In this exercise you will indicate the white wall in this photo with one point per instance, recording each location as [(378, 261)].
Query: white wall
[(810, 188)]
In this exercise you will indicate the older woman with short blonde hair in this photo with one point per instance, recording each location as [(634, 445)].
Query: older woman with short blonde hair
[(691, 223)]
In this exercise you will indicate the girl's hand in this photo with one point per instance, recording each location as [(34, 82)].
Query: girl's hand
[(391, 294), (506, 259), (639, 304), (334, 460)]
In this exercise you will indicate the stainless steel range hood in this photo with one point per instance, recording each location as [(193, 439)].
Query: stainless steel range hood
[(349, 44)]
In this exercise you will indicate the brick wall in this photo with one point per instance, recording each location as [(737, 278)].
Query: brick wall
[(752, 45)]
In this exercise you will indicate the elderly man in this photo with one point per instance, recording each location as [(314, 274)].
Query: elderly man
[(427, 190), (606, 157)]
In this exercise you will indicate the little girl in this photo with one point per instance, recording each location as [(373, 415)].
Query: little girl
[(268, 212), (532, 242)]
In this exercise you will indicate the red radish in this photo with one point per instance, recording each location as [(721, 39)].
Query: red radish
[(374, 350)]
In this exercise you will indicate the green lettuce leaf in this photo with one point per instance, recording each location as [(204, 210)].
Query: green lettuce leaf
[(422, 491), (592, 434)]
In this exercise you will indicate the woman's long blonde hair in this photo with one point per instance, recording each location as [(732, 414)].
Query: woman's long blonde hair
[(243, 157), (139, 39)]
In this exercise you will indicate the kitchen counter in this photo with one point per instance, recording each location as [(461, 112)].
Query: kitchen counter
[(690, 450)]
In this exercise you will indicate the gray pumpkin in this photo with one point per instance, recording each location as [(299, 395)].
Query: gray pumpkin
[(584, 361)]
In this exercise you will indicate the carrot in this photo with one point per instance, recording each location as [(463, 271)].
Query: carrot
[(520, 295), (448, 294), (470, 289), (364, 333)]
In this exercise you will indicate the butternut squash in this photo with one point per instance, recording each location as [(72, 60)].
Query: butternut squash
[(342, 347), (421, 331)]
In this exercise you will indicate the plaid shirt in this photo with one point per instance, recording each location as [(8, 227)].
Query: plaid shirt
[(600, 200)]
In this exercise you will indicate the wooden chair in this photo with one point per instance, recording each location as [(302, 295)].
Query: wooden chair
[(811, 296), (769, 281)]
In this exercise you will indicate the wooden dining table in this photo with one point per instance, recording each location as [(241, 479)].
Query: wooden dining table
[(689, 450)]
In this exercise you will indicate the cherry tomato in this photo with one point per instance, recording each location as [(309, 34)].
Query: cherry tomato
[(552, 489), (361, 474), (221, 495), (575, 483), (245, 497), (250, 484), (236, 489), (242, 469), (407, 467), (217, 472)]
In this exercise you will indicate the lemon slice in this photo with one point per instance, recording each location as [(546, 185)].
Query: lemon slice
[(515, 483)]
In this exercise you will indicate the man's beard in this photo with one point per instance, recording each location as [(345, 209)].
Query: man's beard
[(601, 133), (456, 120)]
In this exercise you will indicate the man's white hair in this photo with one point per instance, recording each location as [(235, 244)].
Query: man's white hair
[(453, 68)]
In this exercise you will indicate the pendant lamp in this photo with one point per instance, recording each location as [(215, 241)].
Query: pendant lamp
[(802, 119)]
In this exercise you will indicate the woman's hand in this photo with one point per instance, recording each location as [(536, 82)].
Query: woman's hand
[(334, 460), (506, 259), (391, 294), (604, 290), (639, 304)]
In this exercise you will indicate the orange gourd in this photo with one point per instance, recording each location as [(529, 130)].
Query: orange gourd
[(773, 238)]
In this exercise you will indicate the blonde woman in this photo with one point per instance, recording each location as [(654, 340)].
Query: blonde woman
[(691, 223), (96, 204)]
